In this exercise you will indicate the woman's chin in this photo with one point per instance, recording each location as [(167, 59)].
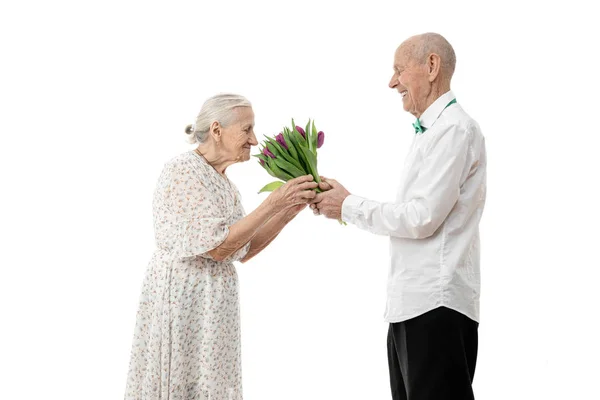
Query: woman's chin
[(245, 156)]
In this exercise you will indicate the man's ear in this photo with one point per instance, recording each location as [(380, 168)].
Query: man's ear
[(434, 64)]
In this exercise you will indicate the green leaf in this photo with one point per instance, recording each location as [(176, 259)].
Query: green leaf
[(289, 167), (308, 136), (273, 149), (284, 176), (309, 159), (314, 138), (266, 167), (295, 139), (271, 186), (279, 151), (294, 130), (291, 148), (283, 153), (312, 160), (260, 156)]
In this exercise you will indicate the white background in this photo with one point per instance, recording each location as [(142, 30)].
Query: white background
[(94, 99)]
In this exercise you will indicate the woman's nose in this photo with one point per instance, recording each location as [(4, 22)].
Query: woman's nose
[(253, 141)]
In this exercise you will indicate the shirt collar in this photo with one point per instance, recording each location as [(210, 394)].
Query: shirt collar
[(435, 109)]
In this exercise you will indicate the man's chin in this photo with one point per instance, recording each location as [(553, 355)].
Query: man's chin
[(406, 104)]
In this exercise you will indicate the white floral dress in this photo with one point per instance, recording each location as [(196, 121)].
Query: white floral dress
[(186, 343)]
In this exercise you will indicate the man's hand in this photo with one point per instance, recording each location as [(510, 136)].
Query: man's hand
[(329, 202)]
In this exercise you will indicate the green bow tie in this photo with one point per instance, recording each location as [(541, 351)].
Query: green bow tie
[(418, 127), (421, 129)]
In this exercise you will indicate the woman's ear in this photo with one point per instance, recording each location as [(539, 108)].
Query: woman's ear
[(216, 131)]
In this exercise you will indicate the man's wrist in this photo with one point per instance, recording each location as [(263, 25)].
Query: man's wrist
[(349, 207)]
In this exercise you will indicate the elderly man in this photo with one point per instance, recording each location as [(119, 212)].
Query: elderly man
[(433, 225)]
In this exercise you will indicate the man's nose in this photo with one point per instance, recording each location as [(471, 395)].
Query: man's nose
[(393, 82)]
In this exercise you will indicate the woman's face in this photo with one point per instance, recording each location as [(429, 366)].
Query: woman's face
[(238, 137)]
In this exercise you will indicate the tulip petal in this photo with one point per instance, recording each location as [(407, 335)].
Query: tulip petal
[(314, 138), (281, 140), (296, 128), (267, 152), (320, 139)]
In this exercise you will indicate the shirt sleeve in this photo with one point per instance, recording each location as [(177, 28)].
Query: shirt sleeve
[(432, 195), (201, 225)]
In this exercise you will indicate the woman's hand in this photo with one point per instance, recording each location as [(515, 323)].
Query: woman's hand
[(295, 210), (296, 192), (282, 206)]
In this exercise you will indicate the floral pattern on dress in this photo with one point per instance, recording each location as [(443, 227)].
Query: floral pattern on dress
[(186, 343)]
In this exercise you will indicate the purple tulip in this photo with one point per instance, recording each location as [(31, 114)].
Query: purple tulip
[(281, 140), (268, 153), (262, 162), (299, 129), (320, 139)]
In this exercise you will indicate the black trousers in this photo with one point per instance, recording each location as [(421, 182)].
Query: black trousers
[(432, 356)]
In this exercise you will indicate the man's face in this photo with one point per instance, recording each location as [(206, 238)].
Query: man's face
[(411, 80)]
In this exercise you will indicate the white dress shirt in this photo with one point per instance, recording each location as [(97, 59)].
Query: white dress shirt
[(434, 223)]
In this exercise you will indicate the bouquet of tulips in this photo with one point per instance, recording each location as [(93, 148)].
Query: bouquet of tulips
[(290, 154)]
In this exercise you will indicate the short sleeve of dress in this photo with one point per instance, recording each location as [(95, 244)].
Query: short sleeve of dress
[(241, 253), (200, 223)]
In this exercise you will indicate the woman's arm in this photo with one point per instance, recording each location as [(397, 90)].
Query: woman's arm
[(295, 192), (270, 230)]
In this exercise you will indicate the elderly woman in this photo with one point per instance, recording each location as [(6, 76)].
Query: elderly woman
[(187, 336)]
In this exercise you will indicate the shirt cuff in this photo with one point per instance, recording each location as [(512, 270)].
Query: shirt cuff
[(351, 208)]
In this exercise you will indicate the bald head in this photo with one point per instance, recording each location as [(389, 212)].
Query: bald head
[(423, 68), (420, 47)]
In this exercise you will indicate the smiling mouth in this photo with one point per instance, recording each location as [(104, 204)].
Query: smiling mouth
[(404, 93)]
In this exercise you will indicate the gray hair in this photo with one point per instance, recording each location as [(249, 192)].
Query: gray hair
[(421, 46), (219, 108)]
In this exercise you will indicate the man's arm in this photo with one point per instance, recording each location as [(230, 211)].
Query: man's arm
[(434, 194)]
